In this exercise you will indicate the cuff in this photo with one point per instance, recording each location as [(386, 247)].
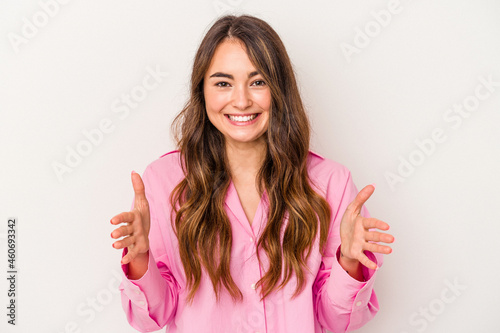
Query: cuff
[(146, 291), (347, 292)]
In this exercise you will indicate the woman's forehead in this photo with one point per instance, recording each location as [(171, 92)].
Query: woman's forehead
[(230, 57)]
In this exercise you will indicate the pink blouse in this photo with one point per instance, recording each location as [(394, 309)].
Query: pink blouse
[(332, 300)]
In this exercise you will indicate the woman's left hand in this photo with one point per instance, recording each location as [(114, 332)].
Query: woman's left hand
[(355, 233)]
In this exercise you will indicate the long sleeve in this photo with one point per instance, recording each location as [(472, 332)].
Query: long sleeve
[(342, 303), (150, 302)]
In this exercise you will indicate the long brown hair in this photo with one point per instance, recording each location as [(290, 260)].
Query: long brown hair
[(201, 223)]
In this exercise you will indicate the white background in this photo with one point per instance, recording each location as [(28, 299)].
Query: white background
[(367, 108)]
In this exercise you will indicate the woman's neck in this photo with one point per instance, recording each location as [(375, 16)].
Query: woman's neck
[(246, 159)]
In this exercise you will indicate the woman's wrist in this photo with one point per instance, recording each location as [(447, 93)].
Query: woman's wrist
[(138, 266), (351, 266), (346, 259), (347, 263)]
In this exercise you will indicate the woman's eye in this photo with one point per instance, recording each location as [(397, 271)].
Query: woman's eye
[(259, 83), (222, 84)]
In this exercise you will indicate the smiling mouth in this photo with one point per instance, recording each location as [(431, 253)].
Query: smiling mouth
[(246, 118)]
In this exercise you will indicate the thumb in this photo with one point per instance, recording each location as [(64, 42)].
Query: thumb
[(138, 186), (362, 197)]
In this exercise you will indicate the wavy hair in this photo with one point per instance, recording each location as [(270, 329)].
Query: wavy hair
[(200, 221)]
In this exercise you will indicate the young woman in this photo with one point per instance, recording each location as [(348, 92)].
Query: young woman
[(244, 229)]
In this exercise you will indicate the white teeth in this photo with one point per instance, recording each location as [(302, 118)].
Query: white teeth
[(242, 118)]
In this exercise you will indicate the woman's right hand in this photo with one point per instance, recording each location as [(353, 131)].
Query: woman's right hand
[(136, 230)]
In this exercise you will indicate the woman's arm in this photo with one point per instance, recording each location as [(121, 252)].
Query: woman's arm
[(344, 295), (149, 290), (149, 302), (138, 266), (352, 267)]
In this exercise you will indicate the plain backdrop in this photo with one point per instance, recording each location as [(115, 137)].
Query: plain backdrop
[(406, 94)]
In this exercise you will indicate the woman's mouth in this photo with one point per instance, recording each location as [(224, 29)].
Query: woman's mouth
[(242, 119)]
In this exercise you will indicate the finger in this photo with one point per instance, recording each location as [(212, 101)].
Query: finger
[(138, 186), (125, 217), (372, 247), (379, 237), (371, 222), (129, 256), (127, 241), (363, 259), (121, 231), (361, 198)]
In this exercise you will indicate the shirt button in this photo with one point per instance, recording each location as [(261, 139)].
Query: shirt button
[(253, 286), (251, 240), (142, 303), (359, 303), (137, 292)]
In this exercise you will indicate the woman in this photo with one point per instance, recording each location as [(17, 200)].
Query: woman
[(243, 229)]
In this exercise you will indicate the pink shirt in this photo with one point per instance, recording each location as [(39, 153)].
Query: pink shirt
[(332, 300)]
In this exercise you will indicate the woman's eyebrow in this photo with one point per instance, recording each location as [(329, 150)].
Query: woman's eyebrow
[(229, 76)]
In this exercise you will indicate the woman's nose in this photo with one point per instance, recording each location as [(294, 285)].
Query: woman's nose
[(241, 98)]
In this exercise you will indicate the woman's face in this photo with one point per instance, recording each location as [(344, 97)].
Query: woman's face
[(236, 97)]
